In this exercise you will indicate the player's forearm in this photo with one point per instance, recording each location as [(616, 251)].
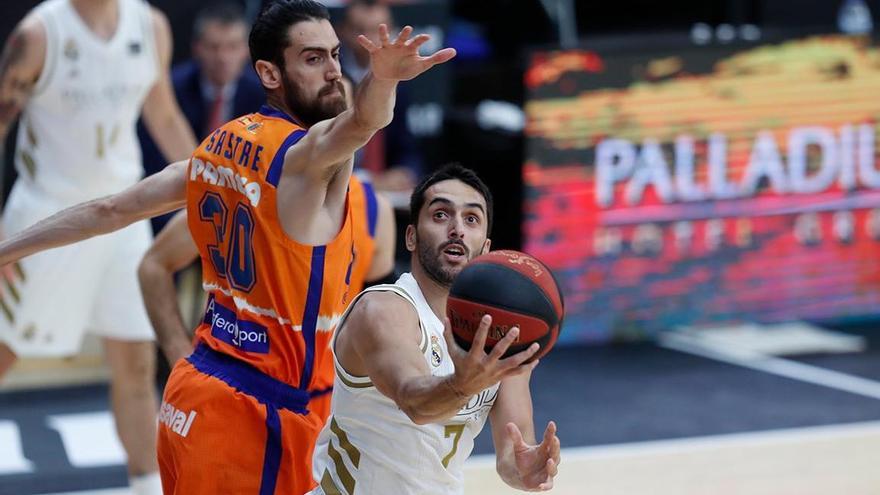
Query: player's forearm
[(160, 300), (68, 226), (374, 102), (172, 135), (430, 399)]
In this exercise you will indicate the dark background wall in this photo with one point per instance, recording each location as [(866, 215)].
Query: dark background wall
[(492, 37)]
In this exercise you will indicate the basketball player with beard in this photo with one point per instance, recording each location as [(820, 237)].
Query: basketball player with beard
[(267, 206), (407, 401)]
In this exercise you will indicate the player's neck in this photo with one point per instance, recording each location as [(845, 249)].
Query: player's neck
[(278, 103), (434, 293), (101, 16)]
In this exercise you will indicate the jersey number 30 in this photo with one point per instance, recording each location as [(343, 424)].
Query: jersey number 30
[(236, 264)]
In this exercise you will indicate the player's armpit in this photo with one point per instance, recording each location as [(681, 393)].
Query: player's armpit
[(20, 66), (157, 194)]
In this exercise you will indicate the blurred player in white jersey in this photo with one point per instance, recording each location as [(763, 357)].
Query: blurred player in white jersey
[(79, 73), (407, 401)]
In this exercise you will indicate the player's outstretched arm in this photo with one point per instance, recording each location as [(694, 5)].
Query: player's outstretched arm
[(172, 251), (387, 346), (382, 264), (521, 462), (332, 142), (157, 194)]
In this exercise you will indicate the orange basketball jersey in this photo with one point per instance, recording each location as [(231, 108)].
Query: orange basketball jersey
[(364, 215), (272, 302)]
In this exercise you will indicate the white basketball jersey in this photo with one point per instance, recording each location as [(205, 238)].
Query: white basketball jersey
[(77, 137), (369, 446)]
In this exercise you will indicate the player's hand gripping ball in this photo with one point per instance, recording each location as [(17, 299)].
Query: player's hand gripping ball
[(516, 290)]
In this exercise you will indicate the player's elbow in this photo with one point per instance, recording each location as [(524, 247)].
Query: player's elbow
[(149, 269), (414, 410), (418, 412), (417, 416), (110, 211)]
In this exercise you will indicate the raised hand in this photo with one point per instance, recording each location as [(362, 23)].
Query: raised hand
[(399, 60), (476, 370), (536, 465)]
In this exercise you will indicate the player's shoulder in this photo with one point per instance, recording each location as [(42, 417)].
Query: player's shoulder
[(27, 42), (160, 23), (31, 28), (379, 306)]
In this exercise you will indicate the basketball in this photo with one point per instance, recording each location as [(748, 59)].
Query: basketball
[(516, 290)]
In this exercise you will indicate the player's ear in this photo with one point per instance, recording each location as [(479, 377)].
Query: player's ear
[(486, 245), (410, 238), (269, 74)]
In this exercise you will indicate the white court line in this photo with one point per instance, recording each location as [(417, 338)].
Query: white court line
[(710, 442), (773, 365)]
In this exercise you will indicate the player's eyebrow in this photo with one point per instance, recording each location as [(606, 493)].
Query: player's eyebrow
[(320, 49), (448, 202), (475, 205)]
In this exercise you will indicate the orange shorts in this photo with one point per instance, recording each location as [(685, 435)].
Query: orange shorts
[(224, 427)]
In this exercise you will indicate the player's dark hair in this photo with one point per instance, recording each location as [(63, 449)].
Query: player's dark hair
[(224, 12), (451, 171), (269, 34)]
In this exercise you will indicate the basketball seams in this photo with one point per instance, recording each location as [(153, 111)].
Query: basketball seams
[(543, 282), (525, 277)]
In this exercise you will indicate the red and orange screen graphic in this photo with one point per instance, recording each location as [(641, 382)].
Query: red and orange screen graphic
[(696, 186)]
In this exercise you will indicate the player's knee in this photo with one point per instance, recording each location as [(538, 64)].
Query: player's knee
[(135, 366)]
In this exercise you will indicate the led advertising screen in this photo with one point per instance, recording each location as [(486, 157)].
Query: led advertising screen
[(684, 185)]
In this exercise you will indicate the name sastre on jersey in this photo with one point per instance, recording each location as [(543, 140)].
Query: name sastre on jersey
[(230, 146)]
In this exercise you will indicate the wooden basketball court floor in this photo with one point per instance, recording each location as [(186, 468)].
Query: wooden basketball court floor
[(730, 424), (807, 461)]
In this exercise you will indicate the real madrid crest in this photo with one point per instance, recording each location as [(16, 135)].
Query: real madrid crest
[(436, 351)]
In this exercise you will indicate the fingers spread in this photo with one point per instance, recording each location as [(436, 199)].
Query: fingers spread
[(383, 34), (366, 43), (403, 36), (479, 341), (552, 470), (503, 344), (418, 41), (519, 444), (441, 56)]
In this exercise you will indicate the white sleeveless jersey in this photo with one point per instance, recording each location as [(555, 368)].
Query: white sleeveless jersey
[(77, 137), (369, 446)]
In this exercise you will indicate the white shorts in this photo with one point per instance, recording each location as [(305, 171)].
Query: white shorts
[(58, 295)]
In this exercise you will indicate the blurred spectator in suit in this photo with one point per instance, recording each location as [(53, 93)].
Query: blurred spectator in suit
[(214, 86), (391, 157)]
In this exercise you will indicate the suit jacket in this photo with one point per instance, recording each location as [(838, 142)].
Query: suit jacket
[(187, 81)]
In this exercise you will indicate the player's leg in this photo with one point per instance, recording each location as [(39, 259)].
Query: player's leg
[(134, 401), (7, 359), (119, 317)]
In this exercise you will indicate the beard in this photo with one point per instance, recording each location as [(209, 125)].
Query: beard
[(431, 261), (310, 111)]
